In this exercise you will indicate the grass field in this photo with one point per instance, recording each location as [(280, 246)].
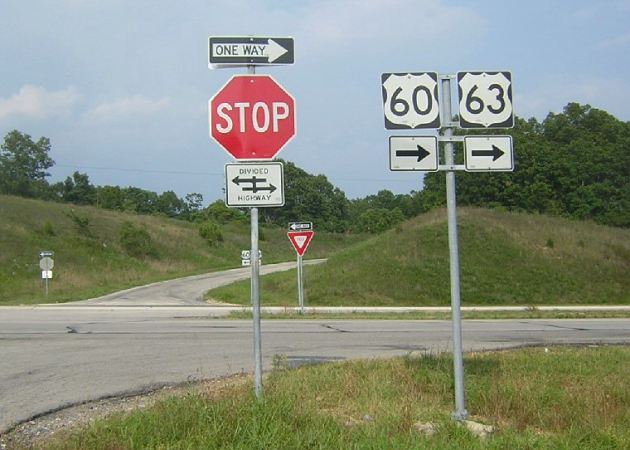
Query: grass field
[(506, 259), (90, 260), (537, 398)]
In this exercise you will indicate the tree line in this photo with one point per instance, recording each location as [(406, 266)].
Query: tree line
[(574, 164)]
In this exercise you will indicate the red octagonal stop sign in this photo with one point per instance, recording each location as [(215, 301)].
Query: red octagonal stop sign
[(252, 117)]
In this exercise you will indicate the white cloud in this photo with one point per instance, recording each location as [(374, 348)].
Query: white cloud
[(133, 106), (36, 102)]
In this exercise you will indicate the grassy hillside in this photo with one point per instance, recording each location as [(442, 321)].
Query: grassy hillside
[(90, 259), (506, 258)]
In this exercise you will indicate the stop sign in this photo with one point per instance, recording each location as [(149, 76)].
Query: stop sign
[(252, 117)]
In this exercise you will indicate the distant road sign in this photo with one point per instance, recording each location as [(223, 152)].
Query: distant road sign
[(245, 254), (46, 263), (300, 226), (410, 100), (488, 153), (485, 99), (254, 184), (249, 50), (413, 153), (300, 240)]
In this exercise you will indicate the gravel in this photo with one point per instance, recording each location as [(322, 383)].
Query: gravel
[(40, 429)]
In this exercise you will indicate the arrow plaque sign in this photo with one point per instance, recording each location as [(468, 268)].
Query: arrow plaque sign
[(254, 185), (488, 153), (413, 153)]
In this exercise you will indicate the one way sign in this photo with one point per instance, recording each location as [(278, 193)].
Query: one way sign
[(249, 50), (413, 153)]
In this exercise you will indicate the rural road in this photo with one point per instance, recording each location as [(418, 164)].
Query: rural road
[(57, 356)]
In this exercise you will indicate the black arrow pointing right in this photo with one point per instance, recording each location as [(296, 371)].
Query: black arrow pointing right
[(420, 153), (496, 153)]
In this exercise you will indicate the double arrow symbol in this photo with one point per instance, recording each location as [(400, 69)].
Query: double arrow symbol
[(496, 153), (254, 184), (419, 153)]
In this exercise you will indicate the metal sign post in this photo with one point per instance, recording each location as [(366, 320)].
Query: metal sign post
[(300, 241), (255, 293), (46, 263), (300, 271), (460, 412), (252, 117), (411, 101)]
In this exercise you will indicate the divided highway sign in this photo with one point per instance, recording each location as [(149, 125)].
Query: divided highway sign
[(413, 153), (254, 184), (410, 100), (488, 153), (249, 50)]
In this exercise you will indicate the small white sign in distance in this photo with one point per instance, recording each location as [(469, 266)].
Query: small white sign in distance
[(488, 154), (245, 254), (410, 100), (485, 99), (46, 263), (413, 153), (254, 185), (47, 274)]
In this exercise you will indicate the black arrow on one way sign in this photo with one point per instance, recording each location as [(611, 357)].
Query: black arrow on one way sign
[(420, 153), (496, 153), (254, 187)]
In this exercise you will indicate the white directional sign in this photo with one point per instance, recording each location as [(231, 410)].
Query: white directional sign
[(300, 226), (413, 153), (410, 100), (485, 99), (253, 185), (249, 50), (488, 153)]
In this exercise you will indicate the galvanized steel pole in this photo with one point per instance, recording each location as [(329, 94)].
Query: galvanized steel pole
[(300, 271), (460, 412), (255, 293)]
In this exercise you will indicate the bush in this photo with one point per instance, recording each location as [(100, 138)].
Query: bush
[(81, 223), (211, 232), (136, 240), (48, 229)]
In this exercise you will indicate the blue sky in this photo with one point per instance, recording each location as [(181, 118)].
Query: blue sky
[(121, 86)]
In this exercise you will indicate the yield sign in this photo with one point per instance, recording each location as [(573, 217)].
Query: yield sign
[(300, 240)]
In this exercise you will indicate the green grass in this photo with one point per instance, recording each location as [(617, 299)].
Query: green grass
[(506, 259), (557, 398), (93, 263)]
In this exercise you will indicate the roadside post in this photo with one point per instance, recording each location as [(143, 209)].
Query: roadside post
[(300, 234), (46, 264), (412, 101), (252, 117)]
